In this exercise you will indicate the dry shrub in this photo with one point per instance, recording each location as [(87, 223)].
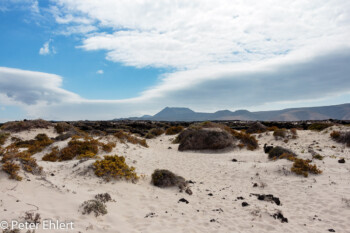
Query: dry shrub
[(12, 169), (165, 178), (319, 126), (114, 167), (53, 156), (204, 139), (38, 144), (108, 147), (246, 139), (3, 138), (62, 127), (87, 148), (13, 158), (341, 137), (256, 127), (272, 128), (127, 137), (280, 133), (94, 206), (103, 197), (278, 151), (174, 130), (18, 126), (303, 167), (317, 156), (153, 133)]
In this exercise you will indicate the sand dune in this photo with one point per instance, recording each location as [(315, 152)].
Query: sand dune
[(317, 203)]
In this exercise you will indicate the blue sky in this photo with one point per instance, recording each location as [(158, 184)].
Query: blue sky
[(76, 59)]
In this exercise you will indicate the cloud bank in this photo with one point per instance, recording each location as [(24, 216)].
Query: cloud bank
[(224, 55)]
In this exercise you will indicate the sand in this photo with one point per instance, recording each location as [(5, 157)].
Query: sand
[(313, 204)]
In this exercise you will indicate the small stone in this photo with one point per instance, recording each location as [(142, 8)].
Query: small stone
[(244, 204), (234, 160), (255, 185), (183, 200), (341, 160), (331, 230), (52, 174), (210, 194)]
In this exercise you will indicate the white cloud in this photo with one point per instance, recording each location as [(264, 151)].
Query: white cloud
[(99, 72), (190, 34), (46, 50)]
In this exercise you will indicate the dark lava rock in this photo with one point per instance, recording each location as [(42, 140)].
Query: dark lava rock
[(268, 197), (212, 220), (150, 215), (210, 194), (267, 148), (244, 204), (255, 185), (331, 230), (341, 160), (234, 160), (240, 198), (204, 139), (280, 216), (183, 200)]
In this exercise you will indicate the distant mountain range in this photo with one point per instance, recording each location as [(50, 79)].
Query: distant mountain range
[(339, 112)]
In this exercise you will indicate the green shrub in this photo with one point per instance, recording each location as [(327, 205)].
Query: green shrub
[(318, 156), (114, 167), (174, 130), (108, 147), (165, 178), (319, 126), (62, 127), (280, 133), (53, 156)]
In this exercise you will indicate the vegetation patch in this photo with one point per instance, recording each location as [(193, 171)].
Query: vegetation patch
[(114, 167), (303, 167), (153, 133), (246, 140), (174, 130), (18, 126), (94, 206), (319, 126), (12, 169), (36, 145), (256, 127), (278, 151), (341, 137), (3, 137), (62, 127), (127, 137), (165, 178)]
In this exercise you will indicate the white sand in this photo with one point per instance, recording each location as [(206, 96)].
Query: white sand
[(313, 204)]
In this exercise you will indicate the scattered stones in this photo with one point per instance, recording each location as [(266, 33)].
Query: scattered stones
[(244, 204), (341, 160), (212, 220), (151, 215), (183, 200), (268, 197), (240, 198), (280, 216), (218, 210)]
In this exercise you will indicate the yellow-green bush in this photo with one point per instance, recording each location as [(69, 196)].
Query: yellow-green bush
[(62, 127), (17, 126), (114, 167), (341, 137), (174, 130), (303, 167)]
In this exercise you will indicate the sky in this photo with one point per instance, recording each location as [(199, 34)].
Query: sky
[(106, 59)]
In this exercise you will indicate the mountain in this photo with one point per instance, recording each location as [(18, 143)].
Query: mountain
[(339, 112)]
